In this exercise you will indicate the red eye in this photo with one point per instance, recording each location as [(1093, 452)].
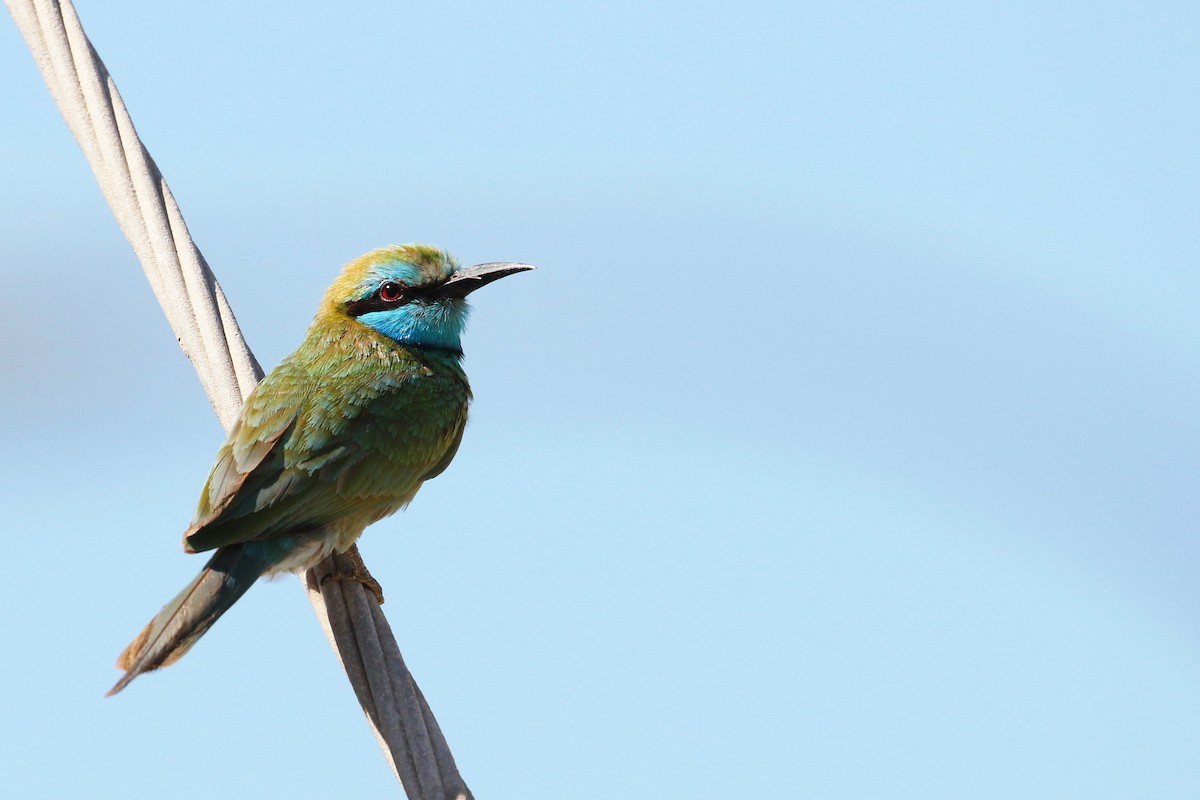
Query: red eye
[(391, 292)]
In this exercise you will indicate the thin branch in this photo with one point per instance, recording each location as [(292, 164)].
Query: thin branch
[(206, 329)]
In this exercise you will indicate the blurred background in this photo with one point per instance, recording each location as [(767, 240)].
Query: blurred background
[(844, 444)]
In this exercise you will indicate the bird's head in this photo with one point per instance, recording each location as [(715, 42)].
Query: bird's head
[(412, 293)]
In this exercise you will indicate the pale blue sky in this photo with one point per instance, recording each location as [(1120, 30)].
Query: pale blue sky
[(844, 446)]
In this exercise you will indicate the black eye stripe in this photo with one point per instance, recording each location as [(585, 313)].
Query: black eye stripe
[(403, 294), (396, 294)]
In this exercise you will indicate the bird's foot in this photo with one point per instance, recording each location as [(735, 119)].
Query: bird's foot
[(350, 567)]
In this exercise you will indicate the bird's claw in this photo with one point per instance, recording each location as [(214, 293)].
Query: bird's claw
[(357, 573)]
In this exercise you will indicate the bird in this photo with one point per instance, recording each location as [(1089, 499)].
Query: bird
[(342, 433)]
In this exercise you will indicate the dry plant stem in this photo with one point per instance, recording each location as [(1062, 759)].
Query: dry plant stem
[(204, 324)]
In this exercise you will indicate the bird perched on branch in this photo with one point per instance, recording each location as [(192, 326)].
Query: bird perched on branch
[(341, 434)]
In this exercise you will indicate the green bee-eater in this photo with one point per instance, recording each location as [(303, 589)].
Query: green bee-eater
[(341, 434)]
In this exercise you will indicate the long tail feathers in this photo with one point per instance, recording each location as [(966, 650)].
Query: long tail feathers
[(225, 578)]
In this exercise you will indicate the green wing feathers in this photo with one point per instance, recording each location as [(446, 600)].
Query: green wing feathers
[(301, 458)]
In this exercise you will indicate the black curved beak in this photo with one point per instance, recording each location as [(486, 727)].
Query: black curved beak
[(468, 279)]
